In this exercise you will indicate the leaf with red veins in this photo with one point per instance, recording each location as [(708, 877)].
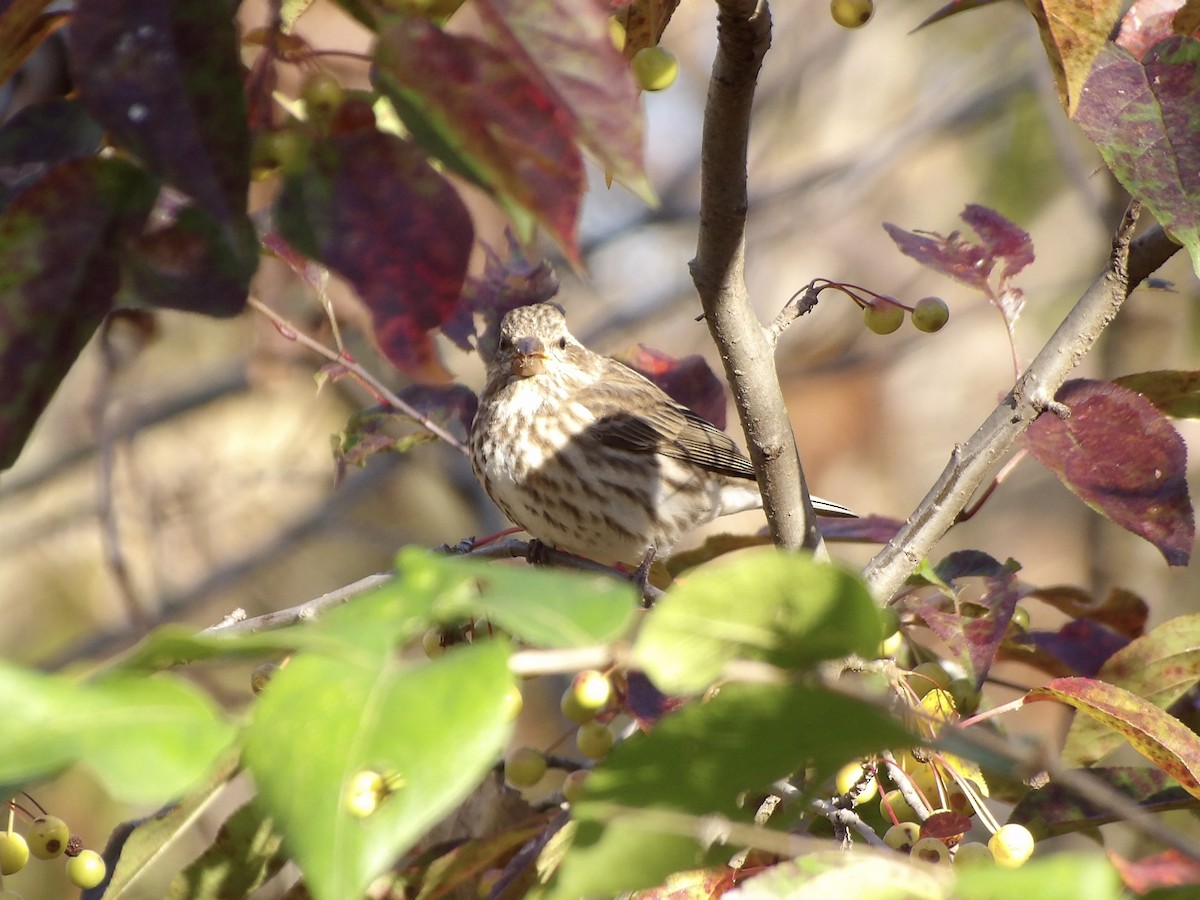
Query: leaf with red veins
[(478, 108), (1162, 870), (1123, 458), (1141, 116), (566, 45), (165, 81), (1161, 666), (372, 208), (971, 639), (688, 380), (1161, 738)]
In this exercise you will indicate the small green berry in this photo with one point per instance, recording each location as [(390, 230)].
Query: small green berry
[(883, 316), (14, 853), (931, 850), (930, 314), (594, 740), (525, 767), (1011, 846), (902, 837), (86, 870), (852, 13)]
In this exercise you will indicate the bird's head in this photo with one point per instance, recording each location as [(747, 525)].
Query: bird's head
[(532, 340)]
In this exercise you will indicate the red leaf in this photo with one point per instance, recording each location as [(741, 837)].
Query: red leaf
[(490, 116), (1163, 870), (1161, 738), (1122, 457), (950, 255), (1000, 238), (865, 529), (566, 45), (688, 380), (373, 209)]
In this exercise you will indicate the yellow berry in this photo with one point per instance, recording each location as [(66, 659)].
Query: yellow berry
[(852, 13), (47, 837), (902, 837), (588, 693), (14, 853), (900, 808), (513, 702), (1020, 618), (616, 32), (364, 792), (1011, 846), (655, 68), (573, 785), (930, 314)]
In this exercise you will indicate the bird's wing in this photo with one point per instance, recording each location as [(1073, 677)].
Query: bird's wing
[(642, 419)]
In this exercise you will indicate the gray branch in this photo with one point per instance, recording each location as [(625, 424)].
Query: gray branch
[(744, 35), (972, 463)]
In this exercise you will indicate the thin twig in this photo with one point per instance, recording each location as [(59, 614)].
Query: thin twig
[(971, 464), (303, 612), (289, 331)]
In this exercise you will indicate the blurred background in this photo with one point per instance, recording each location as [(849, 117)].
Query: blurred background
[(184, 470)]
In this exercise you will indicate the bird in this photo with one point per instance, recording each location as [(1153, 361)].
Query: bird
[(589, 456)]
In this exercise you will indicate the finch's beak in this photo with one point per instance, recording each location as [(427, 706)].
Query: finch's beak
[(531, 357)]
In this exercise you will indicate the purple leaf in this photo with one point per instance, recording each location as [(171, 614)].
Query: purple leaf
[(1082, 645), (165, 81), (1122, 457)]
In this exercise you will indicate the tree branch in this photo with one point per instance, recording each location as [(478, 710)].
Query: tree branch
[(971, 463), (718, 271)]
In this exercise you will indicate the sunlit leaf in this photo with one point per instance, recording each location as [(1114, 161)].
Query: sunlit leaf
[(1161, 738), (1177, 394), (1160, 667), (245, 852), (509, 131), (1072, 36), (1169, 869), (433, 730), (698, 761), (146, 739), (763, 604)]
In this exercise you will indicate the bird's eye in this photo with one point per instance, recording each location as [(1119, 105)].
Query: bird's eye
[(505, 342), (562, 343)]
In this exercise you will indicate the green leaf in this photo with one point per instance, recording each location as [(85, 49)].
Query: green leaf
[(764, 604), (138, 844), (862, 876), (243, 856), (698, 761), (1059, 877), (146, 739), (547, 607), (1175, 393), (433, 728)]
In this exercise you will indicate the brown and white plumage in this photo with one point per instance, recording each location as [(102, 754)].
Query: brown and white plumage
[(589, 456)]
